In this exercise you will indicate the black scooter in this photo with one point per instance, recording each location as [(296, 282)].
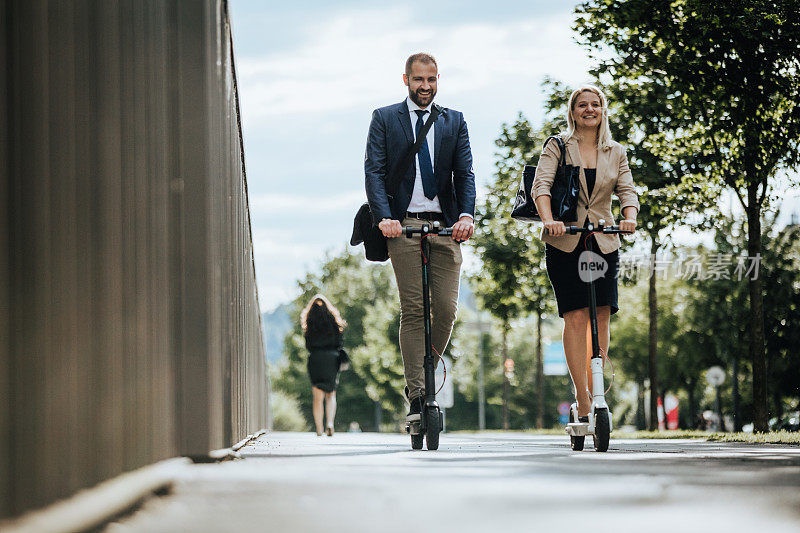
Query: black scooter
[(599, 425), (430, 423)]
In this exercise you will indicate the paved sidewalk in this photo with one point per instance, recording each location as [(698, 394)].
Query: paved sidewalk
[(482, 482)]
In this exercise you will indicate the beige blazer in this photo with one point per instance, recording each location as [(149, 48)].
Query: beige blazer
[(613, 176)]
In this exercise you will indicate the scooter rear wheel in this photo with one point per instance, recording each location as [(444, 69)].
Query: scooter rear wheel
[(576, 443), (602, 430), (416, 441), (432, 429)]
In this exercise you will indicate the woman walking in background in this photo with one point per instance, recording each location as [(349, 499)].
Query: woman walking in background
[(604, 171), (323, 327)]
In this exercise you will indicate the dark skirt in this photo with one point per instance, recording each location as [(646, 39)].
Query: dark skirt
[(323, 369), (573, 293)]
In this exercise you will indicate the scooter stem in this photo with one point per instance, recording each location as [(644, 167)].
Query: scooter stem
[(428, 363), (596, 362)]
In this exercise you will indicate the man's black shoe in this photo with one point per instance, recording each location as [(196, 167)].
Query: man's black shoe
[(414, 412)]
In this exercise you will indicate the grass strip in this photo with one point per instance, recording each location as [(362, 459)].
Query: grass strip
[(774, 437)]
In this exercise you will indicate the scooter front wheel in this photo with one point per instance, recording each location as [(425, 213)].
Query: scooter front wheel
[(416, 441), (602, 430), (433, 426)]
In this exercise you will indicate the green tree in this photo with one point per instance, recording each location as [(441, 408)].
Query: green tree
[(718, 310), (639, 123), (513, 280), (732, 79)]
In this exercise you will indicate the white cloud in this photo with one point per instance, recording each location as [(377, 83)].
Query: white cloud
[(296, 204), (308, 105), (354, 61)]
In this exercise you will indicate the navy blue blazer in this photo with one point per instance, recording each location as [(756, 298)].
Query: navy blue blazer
[(390, 137)]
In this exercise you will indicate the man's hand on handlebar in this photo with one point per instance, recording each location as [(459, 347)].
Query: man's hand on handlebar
[(555, 228), (390, 228), (463, 229)]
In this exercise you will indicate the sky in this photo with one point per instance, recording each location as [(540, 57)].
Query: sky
[(310, 74)]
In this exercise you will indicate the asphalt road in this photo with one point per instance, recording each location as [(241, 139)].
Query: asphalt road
[(482, 482)]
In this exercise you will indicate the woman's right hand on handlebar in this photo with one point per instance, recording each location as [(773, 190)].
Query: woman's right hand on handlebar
[(555, 228), (390, 228)]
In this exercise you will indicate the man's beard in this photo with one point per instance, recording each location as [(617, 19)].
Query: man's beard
[(417, 100)]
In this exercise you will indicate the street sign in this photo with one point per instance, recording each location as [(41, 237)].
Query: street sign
[(715, 376), (563, 413), (555, 363), (445, 398)]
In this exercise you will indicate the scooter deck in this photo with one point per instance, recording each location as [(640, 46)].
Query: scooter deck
[(577, 429), (583, 429)]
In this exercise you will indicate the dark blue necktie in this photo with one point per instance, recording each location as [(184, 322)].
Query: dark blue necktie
[(425, 168)]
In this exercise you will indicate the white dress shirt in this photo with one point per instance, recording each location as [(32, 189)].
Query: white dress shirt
[(419, 202)]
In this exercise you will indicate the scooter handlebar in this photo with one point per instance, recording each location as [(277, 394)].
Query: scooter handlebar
[(572, 230), (591, 228), (410, 231)]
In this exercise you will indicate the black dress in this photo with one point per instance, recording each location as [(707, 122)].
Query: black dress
[(562, 268), (323, 358)]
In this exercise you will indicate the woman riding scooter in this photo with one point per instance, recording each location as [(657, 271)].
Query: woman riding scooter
[(603, 170)]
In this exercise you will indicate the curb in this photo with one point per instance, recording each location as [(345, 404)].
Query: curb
[(228, 454), (242, 443), (94, 506)]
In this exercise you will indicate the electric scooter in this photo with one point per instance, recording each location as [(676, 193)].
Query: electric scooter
[(599, 425), (430, 422)]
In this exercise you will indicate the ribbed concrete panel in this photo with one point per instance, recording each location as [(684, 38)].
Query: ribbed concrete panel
[(128, 304), (5, 420)]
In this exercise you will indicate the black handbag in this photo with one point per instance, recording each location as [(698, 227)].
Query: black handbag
[(563, 194), (364, 228), (343, 360)]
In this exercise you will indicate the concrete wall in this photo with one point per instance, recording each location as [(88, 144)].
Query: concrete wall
[(129, 323)]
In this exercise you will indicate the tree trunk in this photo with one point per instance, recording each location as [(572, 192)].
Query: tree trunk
[(653, 337), (776, 397), (692, 405), (757, 349), (641, 422), (737, 418), (505, 377), (539, 373)]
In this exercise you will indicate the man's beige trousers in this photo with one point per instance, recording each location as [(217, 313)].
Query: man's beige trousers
[(444, 267)]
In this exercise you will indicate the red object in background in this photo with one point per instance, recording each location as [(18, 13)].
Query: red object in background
[(660, 408), (671, 407)]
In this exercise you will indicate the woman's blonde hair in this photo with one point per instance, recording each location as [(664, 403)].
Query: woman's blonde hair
[(322, 313), (604, 133)]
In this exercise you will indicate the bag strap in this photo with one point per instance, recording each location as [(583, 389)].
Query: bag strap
[(393, 180), (562, 162)]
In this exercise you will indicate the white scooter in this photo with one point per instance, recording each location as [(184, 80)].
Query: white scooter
[(599, 423)]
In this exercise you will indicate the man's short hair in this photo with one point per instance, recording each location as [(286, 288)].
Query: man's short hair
[(423, 58)]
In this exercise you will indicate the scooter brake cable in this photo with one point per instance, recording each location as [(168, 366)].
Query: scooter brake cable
[(443, 366), (586, 239), (422, 250), (613, 372)]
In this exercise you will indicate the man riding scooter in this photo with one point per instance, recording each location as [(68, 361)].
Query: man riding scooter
[(438, 186)]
